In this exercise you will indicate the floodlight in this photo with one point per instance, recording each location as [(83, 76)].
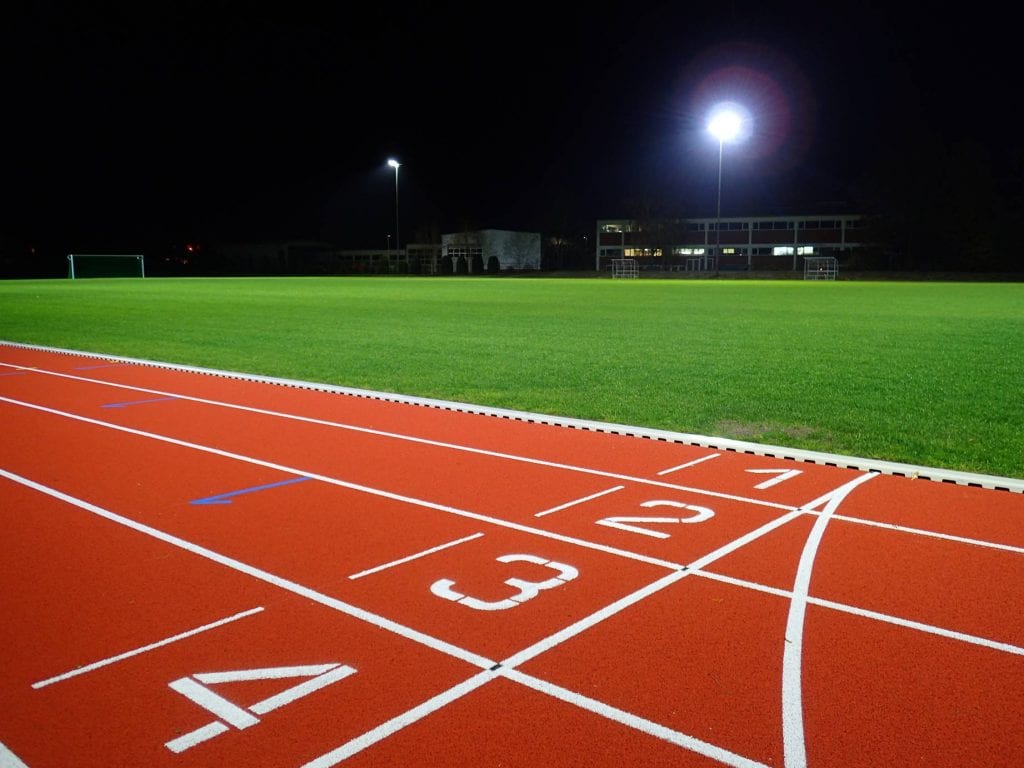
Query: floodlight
[(393, 163), (725, 125)]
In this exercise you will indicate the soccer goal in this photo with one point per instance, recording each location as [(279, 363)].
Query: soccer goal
[(625, 268), (105, 265), (820, 267)]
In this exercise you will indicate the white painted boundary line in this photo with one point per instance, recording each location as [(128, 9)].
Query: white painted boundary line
[(416, 440), (396, 724), (416, 556), (794, 748), (864, 613), (584, 500), (8, 759), (649, 727), (353, 486), (1015, 485), (257, 573), (930, 534), (144, 649), (689, 464)]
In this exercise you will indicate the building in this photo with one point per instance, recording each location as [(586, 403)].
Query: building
[(513, 250), (739, 243)]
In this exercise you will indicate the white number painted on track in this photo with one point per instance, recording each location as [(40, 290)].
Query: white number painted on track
[(782, 475), (230, 714), (527, 589), (635, 524)]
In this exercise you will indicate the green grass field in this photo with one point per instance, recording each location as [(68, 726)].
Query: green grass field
[(925, 373)]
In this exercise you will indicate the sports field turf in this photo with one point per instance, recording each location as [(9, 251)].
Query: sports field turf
[(924, 373)]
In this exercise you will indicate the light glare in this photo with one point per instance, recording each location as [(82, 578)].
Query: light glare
[(393, 163), (725, 125)]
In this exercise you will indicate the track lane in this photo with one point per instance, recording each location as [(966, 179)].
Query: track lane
[(771, 559)]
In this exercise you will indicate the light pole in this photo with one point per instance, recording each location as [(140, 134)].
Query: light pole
[(724, 125), (396, 165)]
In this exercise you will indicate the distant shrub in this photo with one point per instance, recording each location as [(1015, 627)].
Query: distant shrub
[(462, 266), (493, 265)]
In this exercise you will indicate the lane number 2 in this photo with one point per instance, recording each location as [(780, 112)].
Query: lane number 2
[(527, 589), (639, 524)]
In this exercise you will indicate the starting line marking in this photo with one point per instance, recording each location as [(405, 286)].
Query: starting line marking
[(689, 464), (152, 646), (416, 556), (585, 499)]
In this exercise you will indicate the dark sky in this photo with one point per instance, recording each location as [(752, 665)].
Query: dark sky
[(155, 121)]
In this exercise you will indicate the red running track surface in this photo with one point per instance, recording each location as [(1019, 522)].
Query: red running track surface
[(200, 570)]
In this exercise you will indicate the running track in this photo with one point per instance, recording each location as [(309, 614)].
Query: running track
[(203, 570)]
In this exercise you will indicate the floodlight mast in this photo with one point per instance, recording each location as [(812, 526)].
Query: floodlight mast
[(725, 125), (396, 165)]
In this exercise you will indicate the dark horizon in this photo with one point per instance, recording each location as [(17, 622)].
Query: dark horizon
[(199, 122)]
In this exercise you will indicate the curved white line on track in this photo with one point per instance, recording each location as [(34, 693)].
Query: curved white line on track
[(794, 747)]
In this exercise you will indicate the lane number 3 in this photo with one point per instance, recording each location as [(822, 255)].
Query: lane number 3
[(527, 589)]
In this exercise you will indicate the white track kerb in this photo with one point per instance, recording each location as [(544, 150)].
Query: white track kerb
[(1014, 485)]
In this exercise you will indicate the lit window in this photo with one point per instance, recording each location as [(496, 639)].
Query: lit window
[(804, 250), (782, 250)]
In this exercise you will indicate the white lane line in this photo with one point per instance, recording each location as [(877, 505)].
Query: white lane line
[(585, 499), (930, 534), (593, 619), (353, 486), (8, 759), (395, 724), (416, 556), (418, 440), (630, 720), (853, 610), (257, 573), (681, 571), (793, 746), (689, 464), (143, 649)]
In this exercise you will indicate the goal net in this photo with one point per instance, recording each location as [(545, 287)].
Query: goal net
[(625, 268), (820, 267), (105, 265)]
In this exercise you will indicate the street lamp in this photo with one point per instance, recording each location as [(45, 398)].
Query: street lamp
[(725, 125), (395, 164)]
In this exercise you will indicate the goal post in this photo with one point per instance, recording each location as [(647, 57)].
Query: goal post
[(82, 265), (625, 268), (820, 267)]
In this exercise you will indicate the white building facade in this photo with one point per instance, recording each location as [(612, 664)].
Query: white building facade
[(514, 251)]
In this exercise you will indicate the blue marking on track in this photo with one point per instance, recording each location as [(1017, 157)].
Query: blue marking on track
[(138, 402), (225, 498)]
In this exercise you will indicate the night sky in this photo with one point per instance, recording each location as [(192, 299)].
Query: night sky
[(169, 122)]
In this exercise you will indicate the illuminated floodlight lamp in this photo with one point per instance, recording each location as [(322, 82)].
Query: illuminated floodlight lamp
[(396, 165), (727, 123)]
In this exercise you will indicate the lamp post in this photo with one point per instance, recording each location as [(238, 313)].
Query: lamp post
[(724, 125), (395, 164)]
